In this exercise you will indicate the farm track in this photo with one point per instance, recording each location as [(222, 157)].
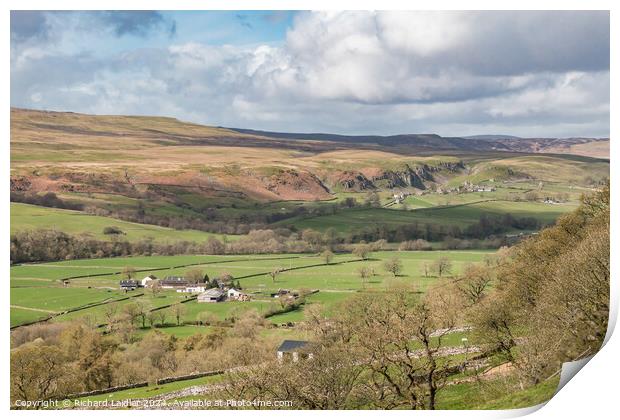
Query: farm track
[(33, 309)]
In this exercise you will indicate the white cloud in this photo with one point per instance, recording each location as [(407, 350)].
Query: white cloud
[(453, 73)]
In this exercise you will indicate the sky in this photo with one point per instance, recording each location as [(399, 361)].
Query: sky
[(522, 73)]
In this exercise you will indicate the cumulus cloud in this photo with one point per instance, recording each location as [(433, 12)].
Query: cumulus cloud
[(453, 73)]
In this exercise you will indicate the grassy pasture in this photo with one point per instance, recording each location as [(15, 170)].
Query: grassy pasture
[(428, 212), (27, 217), (222, 310), (33, 286), (21, 316), (96, 315), (32, 303), (565, 168), (58, 299), (496, 394), (158, 265)]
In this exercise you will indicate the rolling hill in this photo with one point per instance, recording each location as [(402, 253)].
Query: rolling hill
[(162, 171)]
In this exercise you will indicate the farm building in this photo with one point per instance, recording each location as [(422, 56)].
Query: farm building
[(293, 349), (224, 281), (284, 292), (234, 294), (174, 282), (148, 280), (211, 296), (127, 285), (194, 288)]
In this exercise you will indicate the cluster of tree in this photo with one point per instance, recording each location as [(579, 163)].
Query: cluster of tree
[(48, 199), (415, 245), (52, 245), (441, 267), (379, 351), (113, 230), (181, 222), (286, 304), (493, 242), (489, 225), (54, 360), (551, 300), (534, 196)]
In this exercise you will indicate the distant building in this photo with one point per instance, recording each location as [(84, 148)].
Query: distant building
[(224, 281), (211, 296), (148, 280), (294, 349), (174, 282), (284, 292), (234, 294), (195, 288), (127, 285)]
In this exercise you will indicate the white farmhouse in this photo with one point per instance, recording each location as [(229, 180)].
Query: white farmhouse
[(195, 288), (234, 294), (148, 280)]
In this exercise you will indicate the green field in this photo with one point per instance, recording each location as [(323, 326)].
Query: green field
[(35, 291), (455, 214), (494, 395), (29, 217)]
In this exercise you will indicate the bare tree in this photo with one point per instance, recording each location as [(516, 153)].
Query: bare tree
[(442, 266), (425, 269), (143, 309), (394, 266), (327, 256), (274, 273), (195, 275), (474, 283), (402, 374), (160, 316), (362, 251), (128, 273), (132, 311), (364, 273), (328, 381), (109, 312), (178, 310), (156, 287)]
